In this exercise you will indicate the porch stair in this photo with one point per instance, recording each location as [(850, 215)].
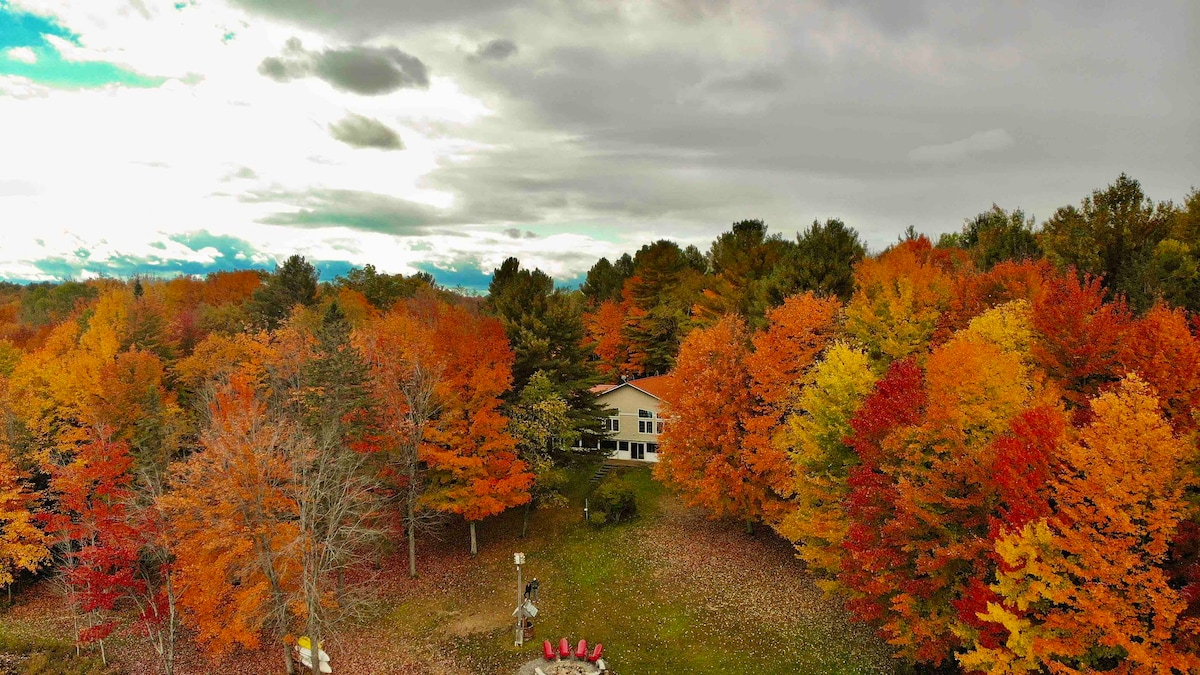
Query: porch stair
[(601, 473)]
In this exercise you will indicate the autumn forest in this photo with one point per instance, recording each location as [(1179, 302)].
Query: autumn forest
[(983, 444)]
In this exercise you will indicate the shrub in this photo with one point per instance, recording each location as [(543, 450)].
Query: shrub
[(615, 500)]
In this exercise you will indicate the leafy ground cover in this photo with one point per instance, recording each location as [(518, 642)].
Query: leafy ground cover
[(668, 592)]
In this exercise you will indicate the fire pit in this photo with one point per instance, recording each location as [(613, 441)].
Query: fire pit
[(559, 668)]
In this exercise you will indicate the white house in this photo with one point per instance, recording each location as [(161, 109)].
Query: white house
[(635, 426)]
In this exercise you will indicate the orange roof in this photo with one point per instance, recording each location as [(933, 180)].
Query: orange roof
[(603, 388), (656, 386)]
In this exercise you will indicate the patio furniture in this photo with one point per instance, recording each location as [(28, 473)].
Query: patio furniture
[(581, 650), (547, 650), (564, 648), (596, 653)]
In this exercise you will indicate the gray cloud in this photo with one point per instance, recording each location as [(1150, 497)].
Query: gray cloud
[(975, 144), (242, 173), (676, 117), (365, 132), (495, 50), (362, 70), (366, 211), (516, 233), (372, 17)]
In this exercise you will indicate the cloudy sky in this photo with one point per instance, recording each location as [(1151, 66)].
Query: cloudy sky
[(166, 136)]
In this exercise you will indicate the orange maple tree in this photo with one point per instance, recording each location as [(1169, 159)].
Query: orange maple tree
[(233, 517), (473, 463), (1084, 588), (702, 450)]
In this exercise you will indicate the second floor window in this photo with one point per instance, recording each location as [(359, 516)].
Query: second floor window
[(612, 424)]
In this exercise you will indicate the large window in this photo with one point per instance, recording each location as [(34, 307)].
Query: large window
[(612, 424), (645, 426), (652, 447), (658, 426), (623, 446), (645, 413)]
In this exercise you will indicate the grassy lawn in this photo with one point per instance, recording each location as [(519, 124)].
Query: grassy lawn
[(608, 585)]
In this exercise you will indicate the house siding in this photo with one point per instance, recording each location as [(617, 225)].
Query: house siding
[(627, 401)]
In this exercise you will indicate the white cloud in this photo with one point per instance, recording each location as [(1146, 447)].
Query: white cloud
[(24, 54), (983, 142)]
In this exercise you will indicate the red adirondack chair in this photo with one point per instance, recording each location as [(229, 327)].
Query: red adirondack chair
[(547, 650), (564, 648), (581, 650), (596, 653)]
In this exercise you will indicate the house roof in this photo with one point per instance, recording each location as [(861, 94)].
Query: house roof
[(656, 386)]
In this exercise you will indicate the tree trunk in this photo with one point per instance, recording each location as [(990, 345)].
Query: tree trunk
[(474, 546), (749, 526), (287, 659), (412, 542), (314, 644), (525, 519)]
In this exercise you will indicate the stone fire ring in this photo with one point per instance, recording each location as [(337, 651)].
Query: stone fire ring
[(564, 667)]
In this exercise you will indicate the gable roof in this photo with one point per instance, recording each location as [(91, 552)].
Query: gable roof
[(655, 386)]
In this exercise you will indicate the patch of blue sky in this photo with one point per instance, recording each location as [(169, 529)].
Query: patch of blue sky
[(125, 267), (29, 31), (468, 278), (226, 246), (570, 283), (21, 29)]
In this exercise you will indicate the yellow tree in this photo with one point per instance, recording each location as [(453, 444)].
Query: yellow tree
[(1084, 589), (23, 544), (816, 438), (900, 297)]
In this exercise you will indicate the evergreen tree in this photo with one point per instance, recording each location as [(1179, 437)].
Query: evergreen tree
[(1113, 233), (293, 283), (822, 261), (544, 326), (997, 235), (381, 289)]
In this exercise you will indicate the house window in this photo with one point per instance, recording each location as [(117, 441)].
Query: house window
[(652, 447), (659, 427), (608, 445), (645, 427), (613, 424), (623, 446), (645, 414)]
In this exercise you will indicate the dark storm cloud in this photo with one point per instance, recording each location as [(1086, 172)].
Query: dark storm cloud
[(365, 132), (680, 116), (495, 50), (362, 70)]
